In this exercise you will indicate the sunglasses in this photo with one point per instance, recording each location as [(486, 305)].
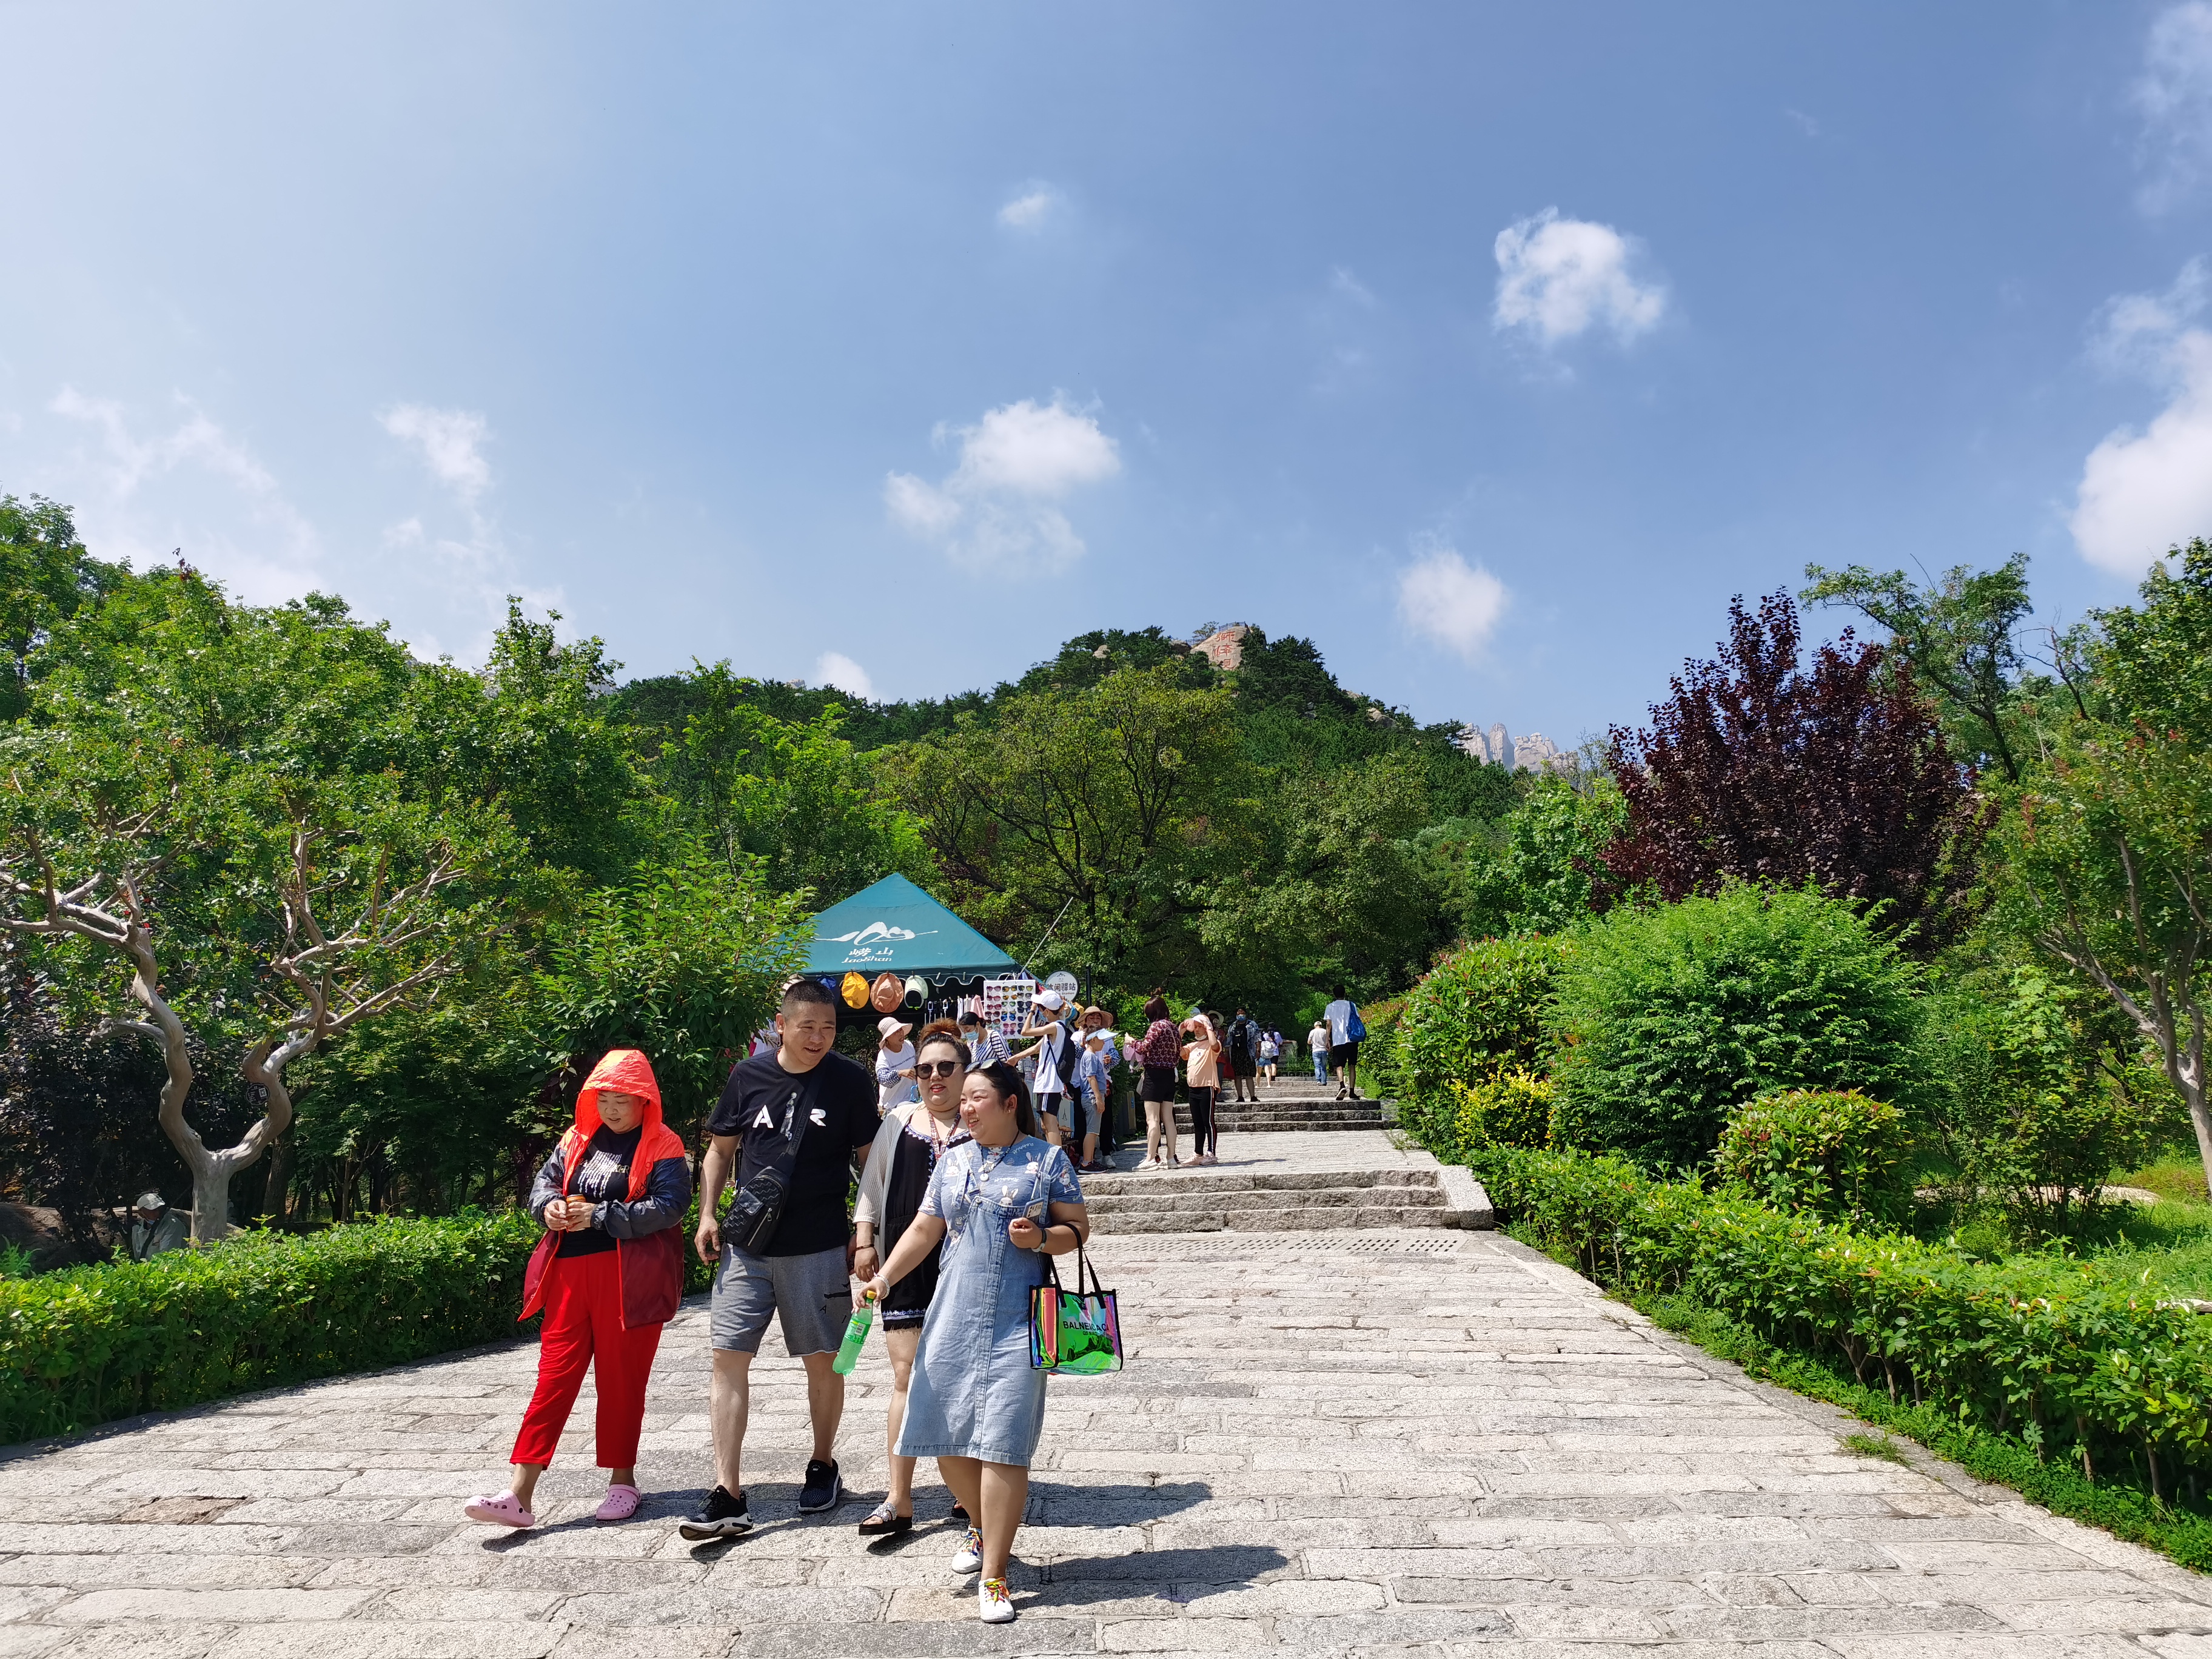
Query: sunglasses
[(939, 1069)]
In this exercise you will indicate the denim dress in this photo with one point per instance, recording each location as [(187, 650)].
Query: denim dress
[(974, 1393)]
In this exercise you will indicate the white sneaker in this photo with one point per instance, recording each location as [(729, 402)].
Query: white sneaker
[(1149, 1163), (970, 1557), (993, 1605)]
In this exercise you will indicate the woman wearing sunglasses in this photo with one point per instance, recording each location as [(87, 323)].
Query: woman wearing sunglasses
[(995, 1202), (913, 1138)]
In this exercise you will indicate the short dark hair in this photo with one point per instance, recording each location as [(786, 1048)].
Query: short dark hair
[(805, 990), (1157, 1008), (1337, 994)]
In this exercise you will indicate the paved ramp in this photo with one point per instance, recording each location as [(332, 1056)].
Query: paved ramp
[(1389, 1442)]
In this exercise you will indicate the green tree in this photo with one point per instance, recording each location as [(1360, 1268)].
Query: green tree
[(1335, 887), (1961, 638), (46, 578), (1534, 874), (1097, 815), (792, 796)]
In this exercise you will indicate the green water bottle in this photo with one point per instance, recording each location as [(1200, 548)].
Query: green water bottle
[(856, 1333)]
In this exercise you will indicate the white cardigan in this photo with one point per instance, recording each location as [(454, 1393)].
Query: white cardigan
[(875, 1173)]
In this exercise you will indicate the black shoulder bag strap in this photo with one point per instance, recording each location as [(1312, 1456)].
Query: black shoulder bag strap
[(757, 1210)]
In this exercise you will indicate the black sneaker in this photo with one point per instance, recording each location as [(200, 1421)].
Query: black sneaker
[(721, 1516), (824, 1489)]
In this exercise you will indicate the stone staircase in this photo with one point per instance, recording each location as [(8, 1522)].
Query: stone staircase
[(1211, 1201), (1293, 1103)]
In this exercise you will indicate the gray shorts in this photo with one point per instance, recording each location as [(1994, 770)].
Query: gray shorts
[(810, 1295)]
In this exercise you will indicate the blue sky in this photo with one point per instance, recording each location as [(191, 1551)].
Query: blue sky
[(1493, 347)]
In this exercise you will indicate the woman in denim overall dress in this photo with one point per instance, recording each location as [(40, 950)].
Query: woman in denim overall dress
[(975, 1403)]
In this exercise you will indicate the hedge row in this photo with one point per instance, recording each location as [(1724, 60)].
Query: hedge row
[(93, 1344), (2077, 1360)]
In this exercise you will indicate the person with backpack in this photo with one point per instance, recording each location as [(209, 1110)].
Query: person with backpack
[(1346, 1031), (608, 1274), (1243, 1046), (1059, 1109), (1271, 1052)]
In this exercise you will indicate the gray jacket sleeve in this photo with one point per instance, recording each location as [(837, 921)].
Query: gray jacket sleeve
[(547, 1187), (667, 1192)]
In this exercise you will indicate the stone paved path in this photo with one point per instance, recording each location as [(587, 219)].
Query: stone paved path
[(1434, 1443)]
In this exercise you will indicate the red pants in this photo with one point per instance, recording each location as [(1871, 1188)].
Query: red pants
[(583, 1327)]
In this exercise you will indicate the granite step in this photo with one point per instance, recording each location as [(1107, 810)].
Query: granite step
[(1214, 1201)]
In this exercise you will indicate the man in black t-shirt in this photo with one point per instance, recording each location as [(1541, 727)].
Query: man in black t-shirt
[(802, 1276)]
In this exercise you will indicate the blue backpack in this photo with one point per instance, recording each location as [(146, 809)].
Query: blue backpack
[(1355, 1029)]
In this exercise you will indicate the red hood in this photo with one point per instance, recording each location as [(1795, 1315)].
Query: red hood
[(628, 1072), (631, 1072)]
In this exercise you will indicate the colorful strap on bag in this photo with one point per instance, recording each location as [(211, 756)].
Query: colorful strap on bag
[(1079, 1334)]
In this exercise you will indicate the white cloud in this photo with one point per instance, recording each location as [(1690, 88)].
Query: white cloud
[(472, 570), (836, 668), (2174, 96), (279, 565), (1559, 278), (1342, 282), (995, 510), (2143, 492), (449, 441), (1029, 210), (1457, 604)]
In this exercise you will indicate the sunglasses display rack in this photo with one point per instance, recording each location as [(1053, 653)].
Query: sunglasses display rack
[(1006, 1003)]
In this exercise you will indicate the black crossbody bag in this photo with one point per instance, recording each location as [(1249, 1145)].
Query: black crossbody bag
[(756, 1210)]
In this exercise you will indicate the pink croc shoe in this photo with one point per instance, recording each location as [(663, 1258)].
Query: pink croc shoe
[(504, 1510), (621, 1502)]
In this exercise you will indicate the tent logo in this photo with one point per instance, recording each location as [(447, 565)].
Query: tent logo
[(873, 931)]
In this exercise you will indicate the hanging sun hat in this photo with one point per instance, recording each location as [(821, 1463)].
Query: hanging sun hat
[(854, 990), (917, 991), (890, 992)]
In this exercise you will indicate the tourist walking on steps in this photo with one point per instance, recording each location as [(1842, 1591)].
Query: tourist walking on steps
[(894, 1063), (997, 1202), (1054, 1053), (913, 1137), (1088, 1095), (1157, 1054), (1343, 1045), (1317, 1044), (808, 1115), (1271, 1052), (986, 1044), (1244, 1044), (1201, 1055), (608, 1273)]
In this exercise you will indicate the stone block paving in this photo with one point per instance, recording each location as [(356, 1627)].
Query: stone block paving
[(1356, 1443)]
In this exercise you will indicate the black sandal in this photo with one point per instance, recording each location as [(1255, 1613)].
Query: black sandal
[(884, 1522)]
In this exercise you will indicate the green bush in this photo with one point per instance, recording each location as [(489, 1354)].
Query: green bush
[(92, 1344), (1835, 1152), (2042, 1094), (1510, 1108), (2075, 1359), (1479, 1011), (1669, 1017)]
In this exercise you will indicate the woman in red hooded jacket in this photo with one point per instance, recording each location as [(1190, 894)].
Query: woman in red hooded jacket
[(608, 1273)]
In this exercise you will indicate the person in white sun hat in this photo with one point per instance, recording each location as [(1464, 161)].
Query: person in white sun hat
[(894, 1064)]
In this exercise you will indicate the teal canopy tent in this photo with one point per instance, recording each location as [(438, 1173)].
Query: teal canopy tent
[(896, 928)]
